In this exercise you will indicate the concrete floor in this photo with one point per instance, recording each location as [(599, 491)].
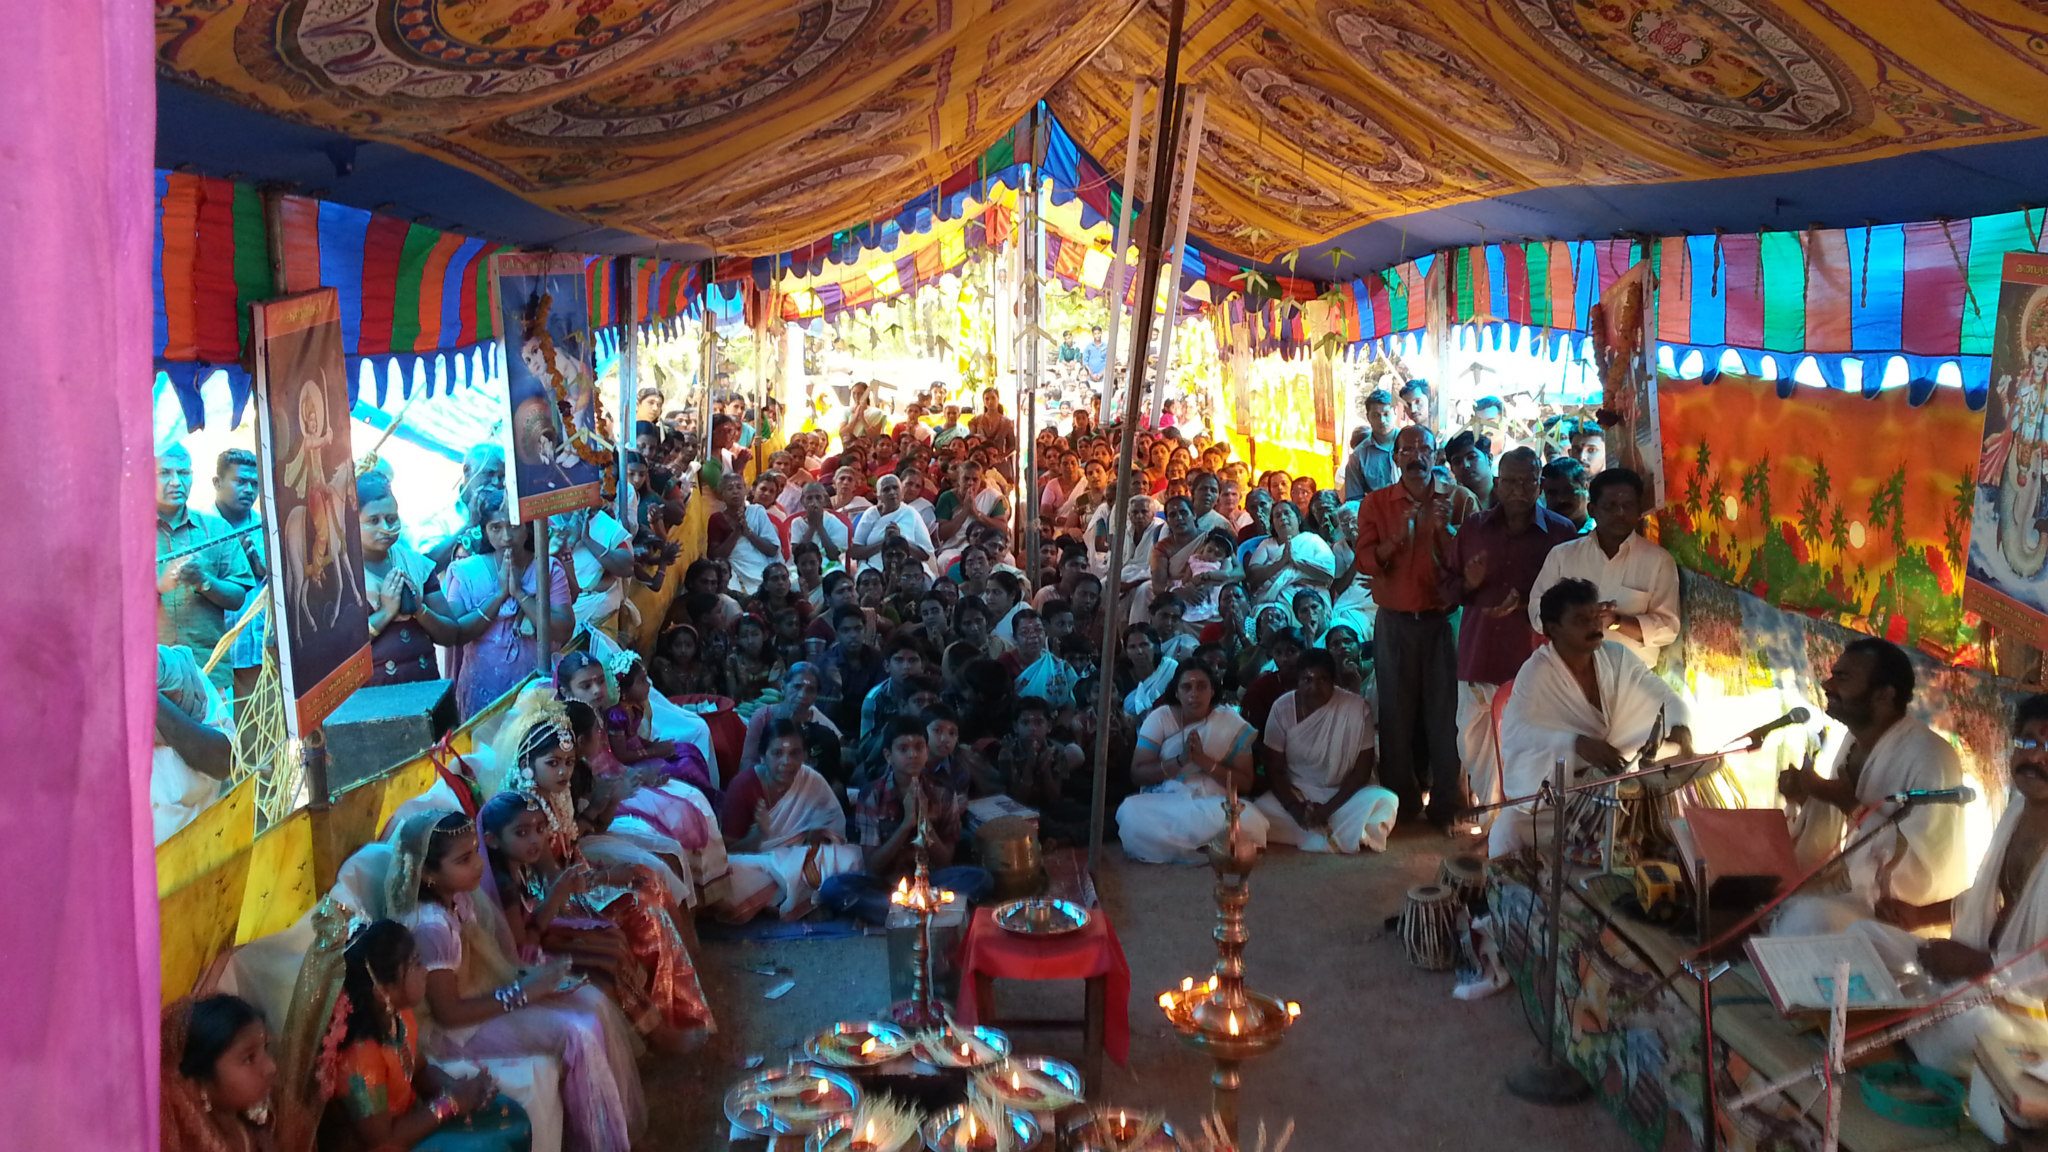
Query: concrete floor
[(1382, 1057)]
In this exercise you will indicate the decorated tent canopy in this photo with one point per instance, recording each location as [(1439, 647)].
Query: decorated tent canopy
[(1359, 124)]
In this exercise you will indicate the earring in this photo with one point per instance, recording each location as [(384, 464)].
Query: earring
[(205, 1102)]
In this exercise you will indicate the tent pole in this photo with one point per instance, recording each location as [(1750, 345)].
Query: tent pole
[(1191, 131), (707, 338), (1119, 513), (1029, 259), (629, 380), (1119, 248)]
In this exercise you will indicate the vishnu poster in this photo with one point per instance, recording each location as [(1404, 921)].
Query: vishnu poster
[(1622, 347), (2009, 534), (1828, 503), (320, 612), (555, 457)]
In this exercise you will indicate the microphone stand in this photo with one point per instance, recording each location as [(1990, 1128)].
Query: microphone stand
[(1552, 1079)]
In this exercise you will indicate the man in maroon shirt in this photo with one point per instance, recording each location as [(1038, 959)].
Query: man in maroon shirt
[(1493, 562), (1405, 536)]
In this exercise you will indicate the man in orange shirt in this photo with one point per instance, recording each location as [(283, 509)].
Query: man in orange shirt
[(1404, 545)]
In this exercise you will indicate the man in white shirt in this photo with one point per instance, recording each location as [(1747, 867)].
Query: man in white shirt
[(1896, 873), (814, 520), (758, 542), (1638, 581), (890, 517), (1319, 751)]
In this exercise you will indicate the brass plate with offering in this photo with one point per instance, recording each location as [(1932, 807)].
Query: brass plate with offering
[(798, 1098), (1041, 917), (1031, 1084), (957, 1047), (881, 1125), (964, 1129), (858, 1044)]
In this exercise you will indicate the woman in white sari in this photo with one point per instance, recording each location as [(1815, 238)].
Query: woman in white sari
[(1146, 674), (1191, 754), (1288, 559), (785, 830)]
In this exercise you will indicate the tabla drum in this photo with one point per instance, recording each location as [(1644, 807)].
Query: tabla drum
[(1587, 817), (1642, 824), (1009, 850), (1429, 927), (1464, 875)]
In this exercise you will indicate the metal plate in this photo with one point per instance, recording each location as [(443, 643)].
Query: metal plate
[(840, 1045), (949, 1056), (773, 1101), (938, 1131), (996, 1082), (1039, 917)]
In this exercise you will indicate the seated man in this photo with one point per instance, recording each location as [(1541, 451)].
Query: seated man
[(193, 755), (1582, 699), (885, 820), (1319, 756), (1999, 918), (1904, 874)]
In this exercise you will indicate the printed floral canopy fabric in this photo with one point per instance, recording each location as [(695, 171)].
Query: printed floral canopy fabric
[(756, 127)]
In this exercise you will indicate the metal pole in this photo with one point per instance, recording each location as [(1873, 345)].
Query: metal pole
[(1029, 247), (1119, 514), (707, 360), (1552, 1080), (629, 383), (319, 802), (1192, 133), (544, 645), (1113, 286)]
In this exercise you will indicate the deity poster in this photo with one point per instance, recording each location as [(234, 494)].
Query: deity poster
[(320, 612), (1828, 503), (1623, 348), (2008, 581), (554, 454)]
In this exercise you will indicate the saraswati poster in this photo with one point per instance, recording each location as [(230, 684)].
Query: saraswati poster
[(555, 456), (2009, 537), (1828, 503), (320, 613)]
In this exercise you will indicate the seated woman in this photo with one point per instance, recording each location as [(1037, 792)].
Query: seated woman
[(752, 668), (824, 749), (193, 750), (216, 1077), (390, 1098), (783, 820), (1144, 677), (1288, 559), (1191, 754), (404, 625), (480, 1004)]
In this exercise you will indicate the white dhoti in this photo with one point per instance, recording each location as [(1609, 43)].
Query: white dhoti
[(1478, 750), (1169, 824), (785, 869), (1358, 824)]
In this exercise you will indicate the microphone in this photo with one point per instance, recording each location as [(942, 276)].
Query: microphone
[(1755, 736), (1959, 795)]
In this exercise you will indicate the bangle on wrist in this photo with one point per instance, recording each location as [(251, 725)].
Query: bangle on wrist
[(443, 1108)]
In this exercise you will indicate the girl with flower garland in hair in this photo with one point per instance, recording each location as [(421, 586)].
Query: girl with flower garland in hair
[(390, 1098), (217, 1077), (536, 909), (628, 721), (574, 804), (480, 1004)]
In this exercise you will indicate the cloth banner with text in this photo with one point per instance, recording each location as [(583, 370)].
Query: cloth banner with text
[(320, 611), (1827, 503), (2008, 576)]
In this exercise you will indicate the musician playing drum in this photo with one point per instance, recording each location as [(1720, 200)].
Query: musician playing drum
[(1583, 699)]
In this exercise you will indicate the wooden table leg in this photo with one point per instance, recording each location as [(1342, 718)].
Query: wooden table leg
[(1092, 1032)]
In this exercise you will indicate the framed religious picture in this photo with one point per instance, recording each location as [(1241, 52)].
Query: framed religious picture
[(1624, 322), (320, 610), (555, 457), (2008, 574)]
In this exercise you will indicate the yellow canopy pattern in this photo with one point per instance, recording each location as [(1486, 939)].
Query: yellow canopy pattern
[(755, 126)]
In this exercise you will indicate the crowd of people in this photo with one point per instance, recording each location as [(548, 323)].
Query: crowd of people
[(1431, 633)]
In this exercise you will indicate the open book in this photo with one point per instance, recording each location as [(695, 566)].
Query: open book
[(1799, 973)]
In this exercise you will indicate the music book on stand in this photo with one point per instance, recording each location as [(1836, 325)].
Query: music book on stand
[(1798, 972), (1746, 852)]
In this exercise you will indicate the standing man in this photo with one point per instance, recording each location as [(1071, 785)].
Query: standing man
[(235, 484), (1095, 357), (1415, 403), (1371, 466), (1470, 456), (1564, 491), (1589, 447), (1493, 565), (1405, 539), (1638, 581), (195, 592)]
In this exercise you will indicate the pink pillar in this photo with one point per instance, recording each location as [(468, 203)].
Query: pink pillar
[(78, 932)]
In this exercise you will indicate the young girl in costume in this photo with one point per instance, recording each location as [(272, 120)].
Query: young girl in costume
[(389, 1098), (480, 1004), (631, 896), (629, 724), (536, 907), (217, 1077)]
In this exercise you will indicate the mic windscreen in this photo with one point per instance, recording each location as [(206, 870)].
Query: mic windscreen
[(1799, 715)]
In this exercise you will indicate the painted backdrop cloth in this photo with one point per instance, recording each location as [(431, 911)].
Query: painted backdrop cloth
[(1827, 503), (1548, 713)]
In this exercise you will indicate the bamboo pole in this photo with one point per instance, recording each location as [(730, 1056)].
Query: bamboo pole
[(1191, 132), (1119, 515), (1113, 287)]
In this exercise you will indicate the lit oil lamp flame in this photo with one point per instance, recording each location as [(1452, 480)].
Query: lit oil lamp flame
[(1187, 983), (1166, 1001), (867, 1048), (1293, 1010), (1016, 1082), (1230, 1022)]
